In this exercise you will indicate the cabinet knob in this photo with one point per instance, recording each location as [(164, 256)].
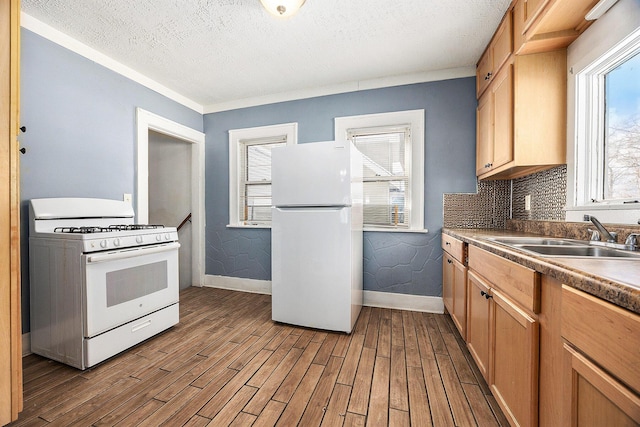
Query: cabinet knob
[(486, 295), (449, 261), (447, 243), (488, 76)]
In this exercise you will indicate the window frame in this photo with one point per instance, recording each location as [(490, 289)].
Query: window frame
[(608, 42), (414, 119), (236, 136)]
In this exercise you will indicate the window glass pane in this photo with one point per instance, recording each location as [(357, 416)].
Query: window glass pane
[(259, 162), (255, 190), (385, 175), (383, 154), (384, 202), (622, 131), (257, 202)]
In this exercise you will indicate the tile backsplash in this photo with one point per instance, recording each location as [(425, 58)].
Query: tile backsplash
[(548, 190), (488, 208), (500, 200)]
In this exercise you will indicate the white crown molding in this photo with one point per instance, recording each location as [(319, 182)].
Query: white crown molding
[(36, 26), (32, 24), (406, 79), (369, 298)]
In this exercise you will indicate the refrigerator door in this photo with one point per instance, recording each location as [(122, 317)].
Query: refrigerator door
[(311, 174), (313, 280)]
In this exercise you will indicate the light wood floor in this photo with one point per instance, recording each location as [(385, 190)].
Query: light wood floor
[(227, 363)]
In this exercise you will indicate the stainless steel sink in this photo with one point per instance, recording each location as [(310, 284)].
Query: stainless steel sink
[(546, 241), (579, 251)]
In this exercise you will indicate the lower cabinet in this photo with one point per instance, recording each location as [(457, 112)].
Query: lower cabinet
[(595, 398), (503, 337), (478, 321), (454, 281), (601, 362), (454, 291), (514, 367)]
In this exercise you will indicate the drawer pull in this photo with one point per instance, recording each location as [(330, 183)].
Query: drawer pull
[(486, 295), (141, 326), (449, 261)]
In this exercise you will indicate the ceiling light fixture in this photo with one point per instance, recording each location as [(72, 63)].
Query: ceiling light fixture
[(282, 8)]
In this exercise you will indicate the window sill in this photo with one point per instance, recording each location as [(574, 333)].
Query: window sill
[(258, 226), (396, 230), (366, 229)]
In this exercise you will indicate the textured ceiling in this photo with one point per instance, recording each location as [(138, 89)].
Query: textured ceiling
[(218, 51)]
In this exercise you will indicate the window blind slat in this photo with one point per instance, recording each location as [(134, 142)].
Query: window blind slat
[(255, 183), (386, 174)]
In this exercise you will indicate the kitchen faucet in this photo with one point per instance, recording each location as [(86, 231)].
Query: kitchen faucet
[(610, 236)]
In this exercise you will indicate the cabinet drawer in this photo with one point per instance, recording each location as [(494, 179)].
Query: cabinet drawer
[(605, 332), (518, 282), (455, 247)]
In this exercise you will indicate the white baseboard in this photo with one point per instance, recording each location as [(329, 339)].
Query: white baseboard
[(369, 298), (403, 301), (238, 284), (26, 344)]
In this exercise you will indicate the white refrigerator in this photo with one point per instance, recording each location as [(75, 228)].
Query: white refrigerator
[(316, 235)]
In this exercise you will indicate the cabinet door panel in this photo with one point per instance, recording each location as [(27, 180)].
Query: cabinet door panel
[(594, 398), (484, 148), (459, 313), (447, 281), (514, 369), (503, 117), (478, 317), (502, 46)]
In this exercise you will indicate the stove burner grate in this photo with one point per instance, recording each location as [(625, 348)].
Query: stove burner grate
[(129, 227), (81, 230), (117, 227)]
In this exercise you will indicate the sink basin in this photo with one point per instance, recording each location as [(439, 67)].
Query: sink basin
[(546, 241), (579, 251)]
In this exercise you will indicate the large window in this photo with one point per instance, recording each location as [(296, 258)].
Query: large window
[(604, 119), (392, 147), (250, 172)]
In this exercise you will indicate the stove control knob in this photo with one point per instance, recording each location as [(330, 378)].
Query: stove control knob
[(103, 244), (116, 242), (167, 236), (159, 237), (139, 239)]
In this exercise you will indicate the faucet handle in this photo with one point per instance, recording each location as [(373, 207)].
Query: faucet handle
[(632, 239), (595, 235)]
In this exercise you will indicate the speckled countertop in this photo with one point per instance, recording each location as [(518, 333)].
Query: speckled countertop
[(616, 281)]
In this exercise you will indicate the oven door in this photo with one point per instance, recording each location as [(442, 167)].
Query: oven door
[(127, 284)]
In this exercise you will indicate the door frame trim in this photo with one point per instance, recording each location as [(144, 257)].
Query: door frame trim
[(146, 121)]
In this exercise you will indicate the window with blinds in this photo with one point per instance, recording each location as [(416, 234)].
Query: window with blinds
[(386, 157), (255, 179)]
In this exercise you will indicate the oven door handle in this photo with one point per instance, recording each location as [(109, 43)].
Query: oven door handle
[(113, 256)]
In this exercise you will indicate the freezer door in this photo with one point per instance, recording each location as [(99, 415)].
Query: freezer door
[(311, 174), (314, 281)]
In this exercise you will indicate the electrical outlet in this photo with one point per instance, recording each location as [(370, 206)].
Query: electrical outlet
[(126, 197), (527, 202)]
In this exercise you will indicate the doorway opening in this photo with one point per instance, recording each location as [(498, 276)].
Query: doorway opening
[(160, 142)]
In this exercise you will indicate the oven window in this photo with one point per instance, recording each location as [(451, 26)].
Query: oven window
[(135, 282)]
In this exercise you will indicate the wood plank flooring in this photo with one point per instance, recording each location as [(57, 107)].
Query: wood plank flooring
[(227, 363)]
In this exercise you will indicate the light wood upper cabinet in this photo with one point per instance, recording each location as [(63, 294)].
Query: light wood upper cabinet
[(522, 118), (496, 54), (10, 320), (545, 25)]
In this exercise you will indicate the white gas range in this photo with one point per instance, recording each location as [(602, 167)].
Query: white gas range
[(99, 283)]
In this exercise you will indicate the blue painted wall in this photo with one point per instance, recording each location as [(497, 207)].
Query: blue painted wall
[(81, 130), (408, 263)]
